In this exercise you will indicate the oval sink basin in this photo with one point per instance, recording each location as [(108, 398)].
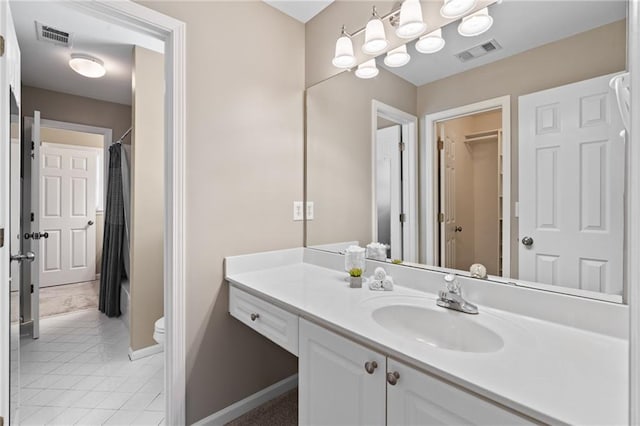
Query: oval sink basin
[(441, 329)]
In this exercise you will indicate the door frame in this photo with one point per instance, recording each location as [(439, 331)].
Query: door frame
[(429, 157), (171, 31), (409, 125)]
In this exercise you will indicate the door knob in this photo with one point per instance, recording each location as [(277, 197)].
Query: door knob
[(29, 257), (392, 378), (90, 223), (255, 317), (457, 229), (370, 366), (527, 241)]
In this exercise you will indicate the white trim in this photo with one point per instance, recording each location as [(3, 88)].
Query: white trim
[(409, 125), (247, 404), (172, 32), (430, 180), (633, 200), (145, 352)]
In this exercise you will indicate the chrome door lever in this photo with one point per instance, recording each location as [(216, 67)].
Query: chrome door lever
[(29, 257)]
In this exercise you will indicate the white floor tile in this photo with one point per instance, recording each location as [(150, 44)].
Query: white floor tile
[(70, 416), (139, 401), (89, 383), (114, 401), (157, 404), (122, 418), (67, 398), (96, 417), (42, 416), (149, 418), (91, 399), (42, 398)]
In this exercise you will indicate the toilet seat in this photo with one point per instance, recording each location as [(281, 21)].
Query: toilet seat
[(158, 331)]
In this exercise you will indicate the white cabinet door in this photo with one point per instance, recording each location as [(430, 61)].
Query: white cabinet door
[(572, 179), (420, 399), (334, 385)]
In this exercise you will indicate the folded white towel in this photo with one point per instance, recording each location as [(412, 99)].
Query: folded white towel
[(375, 284), (379, 274), (387, 284)]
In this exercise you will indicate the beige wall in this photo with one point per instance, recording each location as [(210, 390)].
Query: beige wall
[(71, 137), (147, 197), (339, 152), (590, 54), (324, 29), (76, 109), (244, 165)]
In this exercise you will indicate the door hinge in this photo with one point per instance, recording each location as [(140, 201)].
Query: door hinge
[(441, 217), (1, 46), (32, 217), (31, 288), (33, 145), (1, 237), (401, 146), (440, 144), (403, 217)]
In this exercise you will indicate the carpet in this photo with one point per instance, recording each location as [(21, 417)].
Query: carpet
[(65, 298), (280, 411)]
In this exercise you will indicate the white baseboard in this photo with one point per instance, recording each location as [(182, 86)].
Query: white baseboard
[(243, 406), (148, 351)]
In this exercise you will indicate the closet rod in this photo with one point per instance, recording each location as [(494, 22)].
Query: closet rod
[(124, 135)]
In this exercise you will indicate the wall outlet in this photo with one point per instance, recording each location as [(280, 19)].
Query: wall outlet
[(309, 210), (298, 210)]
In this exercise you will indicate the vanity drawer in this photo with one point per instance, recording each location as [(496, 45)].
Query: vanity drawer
[(272, 322)]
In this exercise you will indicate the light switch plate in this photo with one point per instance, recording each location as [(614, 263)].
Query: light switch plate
[(298, 210), (309, 210)]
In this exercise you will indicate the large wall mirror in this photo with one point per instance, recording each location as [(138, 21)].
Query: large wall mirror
[(505, 149)]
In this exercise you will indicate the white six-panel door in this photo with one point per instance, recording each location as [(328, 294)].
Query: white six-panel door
[(389, 186), (448, 246), (572, 179), (67, 214)]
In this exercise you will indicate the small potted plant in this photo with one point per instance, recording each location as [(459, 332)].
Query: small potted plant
[(355, 280)]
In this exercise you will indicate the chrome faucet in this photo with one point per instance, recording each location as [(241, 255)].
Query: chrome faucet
[(451, 298)]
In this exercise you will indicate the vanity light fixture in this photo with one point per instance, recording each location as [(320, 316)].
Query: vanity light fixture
[(476, 23), (344, 57), (397, 57), (367, 69), (87, 65), (411, 22), (431, 43), (375, 40), (453, 9)]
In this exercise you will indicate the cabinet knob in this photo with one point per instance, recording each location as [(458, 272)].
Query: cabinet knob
[(392, 378), (370, 366), (255, 317)]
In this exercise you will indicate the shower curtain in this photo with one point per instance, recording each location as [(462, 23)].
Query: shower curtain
[(114, 237)]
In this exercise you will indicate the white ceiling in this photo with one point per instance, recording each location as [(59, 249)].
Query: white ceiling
[(302, 10), (518, 25), (45, 65)]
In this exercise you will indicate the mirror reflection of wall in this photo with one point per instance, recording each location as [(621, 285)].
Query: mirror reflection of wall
[(545, 164)]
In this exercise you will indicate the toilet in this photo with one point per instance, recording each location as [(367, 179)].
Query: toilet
[(158, 331)]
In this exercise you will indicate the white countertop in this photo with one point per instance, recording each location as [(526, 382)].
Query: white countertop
[(554, 373)]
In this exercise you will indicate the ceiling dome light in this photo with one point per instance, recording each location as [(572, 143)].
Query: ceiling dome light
[(431, 43), (344, 57), (453, 9), (476, 23), (397, 57), (87, 65), (411, 22), (375, 40), (367, 69)]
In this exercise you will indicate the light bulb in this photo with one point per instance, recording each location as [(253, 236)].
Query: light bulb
[(453, 9), (476, 23), (367, 69), (344, 57), (397, 57), (431, 43), (375, 40), (411, 23)]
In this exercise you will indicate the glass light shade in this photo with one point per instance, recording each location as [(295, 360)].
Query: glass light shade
[(411, 23), (375, 40), (344, 57), (397, 57), (431, 43), (87, 66), (456, 8), (367, 69), (476, 23)]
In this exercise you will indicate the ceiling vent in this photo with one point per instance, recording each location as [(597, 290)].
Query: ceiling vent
[(53, 35), (479, 51)]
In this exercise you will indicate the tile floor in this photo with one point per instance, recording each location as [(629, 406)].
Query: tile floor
[(79, 373)]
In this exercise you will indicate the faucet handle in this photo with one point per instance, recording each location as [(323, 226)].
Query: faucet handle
[(452, 283)]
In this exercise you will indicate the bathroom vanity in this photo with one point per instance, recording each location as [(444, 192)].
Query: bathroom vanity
[(368, 357)]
